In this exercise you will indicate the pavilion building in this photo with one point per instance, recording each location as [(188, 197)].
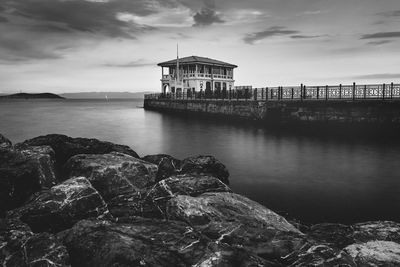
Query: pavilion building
[(196, 74)]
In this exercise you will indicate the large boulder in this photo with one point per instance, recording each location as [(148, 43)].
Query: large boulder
[(63, 205), (148, 242), (332, 234), (321, 256), (4, 142), (208, 165), (237, 221), (24, 172), (66, 147), (153, 202), (375, 253), (19, 246), (112, 174), (376, 230), (167, 165)]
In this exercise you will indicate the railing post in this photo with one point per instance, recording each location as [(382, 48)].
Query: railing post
[(255, 94), (326, 93), (305, 91), (354, 91), (317, 92), (272, 93), (365, 91), (383, 91), (301, 92), (266, 93), (292, 92), (340, 91), (262, 93), (391, 90)]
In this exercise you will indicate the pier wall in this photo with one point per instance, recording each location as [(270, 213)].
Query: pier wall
[(371, 111)]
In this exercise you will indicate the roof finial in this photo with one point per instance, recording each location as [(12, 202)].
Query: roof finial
[(177, 62)]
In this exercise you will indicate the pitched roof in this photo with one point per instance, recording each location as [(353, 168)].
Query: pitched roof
[(196, 59)]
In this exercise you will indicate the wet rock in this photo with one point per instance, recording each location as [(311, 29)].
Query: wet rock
[(24, 172), (63, 205), (377, 230), (322, 256), (42, 249), (205, 165), (4, 142), (237, 221), (153, 203), (167, 165), (332, 234), (141, 243), (66, 147), (112, 174), (375, 253)]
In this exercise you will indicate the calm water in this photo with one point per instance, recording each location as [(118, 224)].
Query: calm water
[(310, 178)]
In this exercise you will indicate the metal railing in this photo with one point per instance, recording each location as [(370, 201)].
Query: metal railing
[(352, 92)]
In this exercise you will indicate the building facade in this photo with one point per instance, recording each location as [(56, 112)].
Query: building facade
[(196, 74)]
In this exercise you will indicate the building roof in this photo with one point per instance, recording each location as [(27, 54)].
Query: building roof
[(194, 60)]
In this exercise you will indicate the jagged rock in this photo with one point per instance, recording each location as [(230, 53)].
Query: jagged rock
[(63, 205), (322, 256), (42, 249), (112, 174), (377, 230), (66, 147), (167, 165), (205, 165), (142, 243), (153, 203), (332, 234), (4, 142), (375, 253), (238, 221), (20, 247), (24, 172)]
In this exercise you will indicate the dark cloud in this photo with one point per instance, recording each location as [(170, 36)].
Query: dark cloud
[(379, 35), (305, 36), (95, 17), (2, 19), (206, 17), (379, 42), (270, 32), (392, 13), (378, 76), (132, 64)]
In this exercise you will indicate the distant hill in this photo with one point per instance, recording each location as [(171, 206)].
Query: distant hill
[(103, 95), (31, 96)]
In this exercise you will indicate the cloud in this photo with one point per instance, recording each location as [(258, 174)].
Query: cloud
[(381, 35), (132, 64), (378, 76), (379, 42), (392, 13), (3, 19), (251, 38), (299, 36), (206, 17)]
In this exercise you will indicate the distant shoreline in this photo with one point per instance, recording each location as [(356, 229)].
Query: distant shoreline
[(32, 96)]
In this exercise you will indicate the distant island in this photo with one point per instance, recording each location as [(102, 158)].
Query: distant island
[(103, 95), (32, 96)]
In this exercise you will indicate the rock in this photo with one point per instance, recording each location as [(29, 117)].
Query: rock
[(24, 172), (332, 234), (141, 243), (63, 205), (112, 174), (322, 256), (66, 147), (167, 165), (237, 221), (4, 142), (20, 247), (153, 203), (42, 249), (378, 230), (375, 253), (205, 165)]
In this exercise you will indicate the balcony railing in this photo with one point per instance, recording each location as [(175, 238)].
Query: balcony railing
[(198, 75), (352, 92)]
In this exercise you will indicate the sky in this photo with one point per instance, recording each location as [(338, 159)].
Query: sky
[(63, 46)]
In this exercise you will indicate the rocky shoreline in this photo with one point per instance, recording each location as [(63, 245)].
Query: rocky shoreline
[(83, 202)]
